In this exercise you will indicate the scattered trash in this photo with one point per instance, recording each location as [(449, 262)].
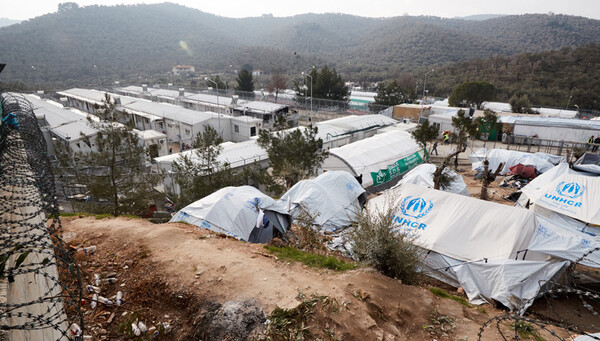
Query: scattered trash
[(87, 250), (119, 300), (94, 302), (91, 288), (96, 279), (110, 280), (142, 327), (76, 331), (104, 300), (135, 330)]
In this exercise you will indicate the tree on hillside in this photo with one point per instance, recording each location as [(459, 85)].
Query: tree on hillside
[(245, 82), (221, 85), (277, 84), (472, 93), (424, 134), (326, 84), (389, 94), (117, 169), (520, 104), (294, 154), (67, 6), (201, 174)]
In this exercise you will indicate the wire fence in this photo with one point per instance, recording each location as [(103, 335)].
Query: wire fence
[(43, 298)]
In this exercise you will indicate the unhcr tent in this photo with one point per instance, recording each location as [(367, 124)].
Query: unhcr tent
[(379, 160), (509, 158), (472, 243), (235, 211), (458, 226), (570, 193), (333, 199), (422, 175)]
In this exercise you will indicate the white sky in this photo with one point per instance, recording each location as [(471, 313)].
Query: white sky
[(25, 9)]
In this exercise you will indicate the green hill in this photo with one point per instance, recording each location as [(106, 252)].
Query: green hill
[(142, 41), (547, 77)]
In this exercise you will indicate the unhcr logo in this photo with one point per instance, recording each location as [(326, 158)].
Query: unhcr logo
[(571, 190), (567, 192), (416, 208)]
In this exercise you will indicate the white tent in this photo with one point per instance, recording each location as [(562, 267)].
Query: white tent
[(572, 194), (379, 159), (422, 175), (333, 199), (457, 226), (235, 211), (509, 158), (472, 243)]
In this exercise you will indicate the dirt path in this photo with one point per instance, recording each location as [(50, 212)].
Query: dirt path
[(194, 263)]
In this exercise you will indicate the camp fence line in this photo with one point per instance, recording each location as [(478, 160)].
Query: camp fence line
[(398, 168), (43, 281)]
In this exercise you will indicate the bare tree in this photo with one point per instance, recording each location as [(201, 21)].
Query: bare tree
[(277, 84), (488, 178)]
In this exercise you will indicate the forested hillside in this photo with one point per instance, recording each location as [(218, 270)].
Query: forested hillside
[(142, 41), (547, 78)]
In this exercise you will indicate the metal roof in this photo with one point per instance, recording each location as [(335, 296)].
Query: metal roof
[(73, 131), (85, 94), (551, 122), (170, 111), (358, 122), (236, 154), (54, 113)]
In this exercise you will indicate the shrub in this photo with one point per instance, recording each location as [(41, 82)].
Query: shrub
[(388, 250)]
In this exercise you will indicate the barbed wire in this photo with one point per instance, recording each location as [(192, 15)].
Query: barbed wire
[(44, 287)]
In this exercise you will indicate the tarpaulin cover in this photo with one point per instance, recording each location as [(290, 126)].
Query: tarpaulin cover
[(588, 163), (567, 241), (509, 158), (527, 172), (514, 283), (422, 175), (233, 211), (330, 198), (458, 226)]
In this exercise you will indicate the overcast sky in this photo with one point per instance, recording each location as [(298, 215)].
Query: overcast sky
[(25, 9)]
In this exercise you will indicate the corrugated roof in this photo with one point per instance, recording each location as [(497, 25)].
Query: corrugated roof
[(236, 154), (85, 94), (54, 113), (170, 111), (551, 122), (357, 122), (73, 131)]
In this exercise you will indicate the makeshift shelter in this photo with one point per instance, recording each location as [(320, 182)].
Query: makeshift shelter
[(235, 211), (472, 243), (333, 200), (422, 175), (380, 159), (588, 162), (509, 158)]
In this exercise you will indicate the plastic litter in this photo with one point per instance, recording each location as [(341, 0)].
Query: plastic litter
[(86, 250), (104, 300), (76, 331), (91, 288), (119, 300), (136, 331), (94, 302), (142, 327), (96, 279)]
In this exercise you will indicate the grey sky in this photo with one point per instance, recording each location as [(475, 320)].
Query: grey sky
[(25, 9)]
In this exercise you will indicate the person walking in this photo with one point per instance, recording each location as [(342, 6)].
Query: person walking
[(590, 141), (434, 149), (446, 138)]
